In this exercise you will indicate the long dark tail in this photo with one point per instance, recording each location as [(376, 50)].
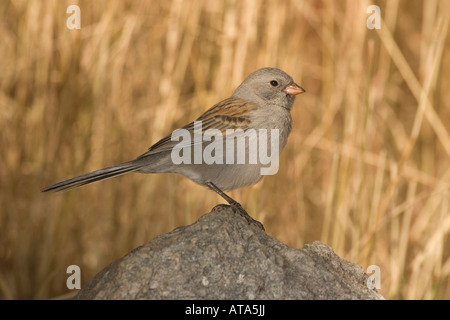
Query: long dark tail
[(94, 176)]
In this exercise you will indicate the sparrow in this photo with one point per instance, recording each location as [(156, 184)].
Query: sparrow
[(260, 104)]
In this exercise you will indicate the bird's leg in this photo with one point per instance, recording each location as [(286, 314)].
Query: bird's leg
[(230, 200), (233, 203)]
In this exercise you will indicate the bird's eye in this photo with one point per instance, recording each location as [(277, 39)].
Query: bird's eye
[(274, 83)]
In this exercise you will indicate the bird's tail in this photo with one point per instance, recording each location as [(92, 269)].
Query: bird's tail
[(97, 175)]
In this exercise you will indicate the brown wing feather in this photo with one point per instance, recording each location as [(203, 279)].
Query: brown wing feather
[(231, 113)]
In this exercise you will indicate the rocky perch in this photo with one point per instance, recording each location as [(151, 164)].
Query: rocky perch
[(224, 255)]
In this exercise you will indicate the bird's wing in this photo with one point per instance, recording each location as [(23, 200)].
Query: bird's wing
[(232, 113)]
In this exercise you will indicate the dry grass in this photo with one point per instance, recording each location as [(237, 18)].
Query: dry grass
[(366, 169)]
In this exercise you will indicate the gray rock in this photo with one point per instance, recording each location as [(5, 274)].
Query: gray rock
[(224, 255)]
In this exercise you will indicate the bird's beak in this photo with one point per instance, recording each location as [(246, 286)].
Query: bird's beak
[(294, 89)]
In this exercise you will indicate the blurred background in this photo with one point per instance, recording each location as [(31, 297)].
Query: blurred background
[(366, 169)]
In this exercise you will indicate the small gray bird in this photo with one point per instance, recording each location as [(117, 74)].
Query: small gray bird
[(262, 103)]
